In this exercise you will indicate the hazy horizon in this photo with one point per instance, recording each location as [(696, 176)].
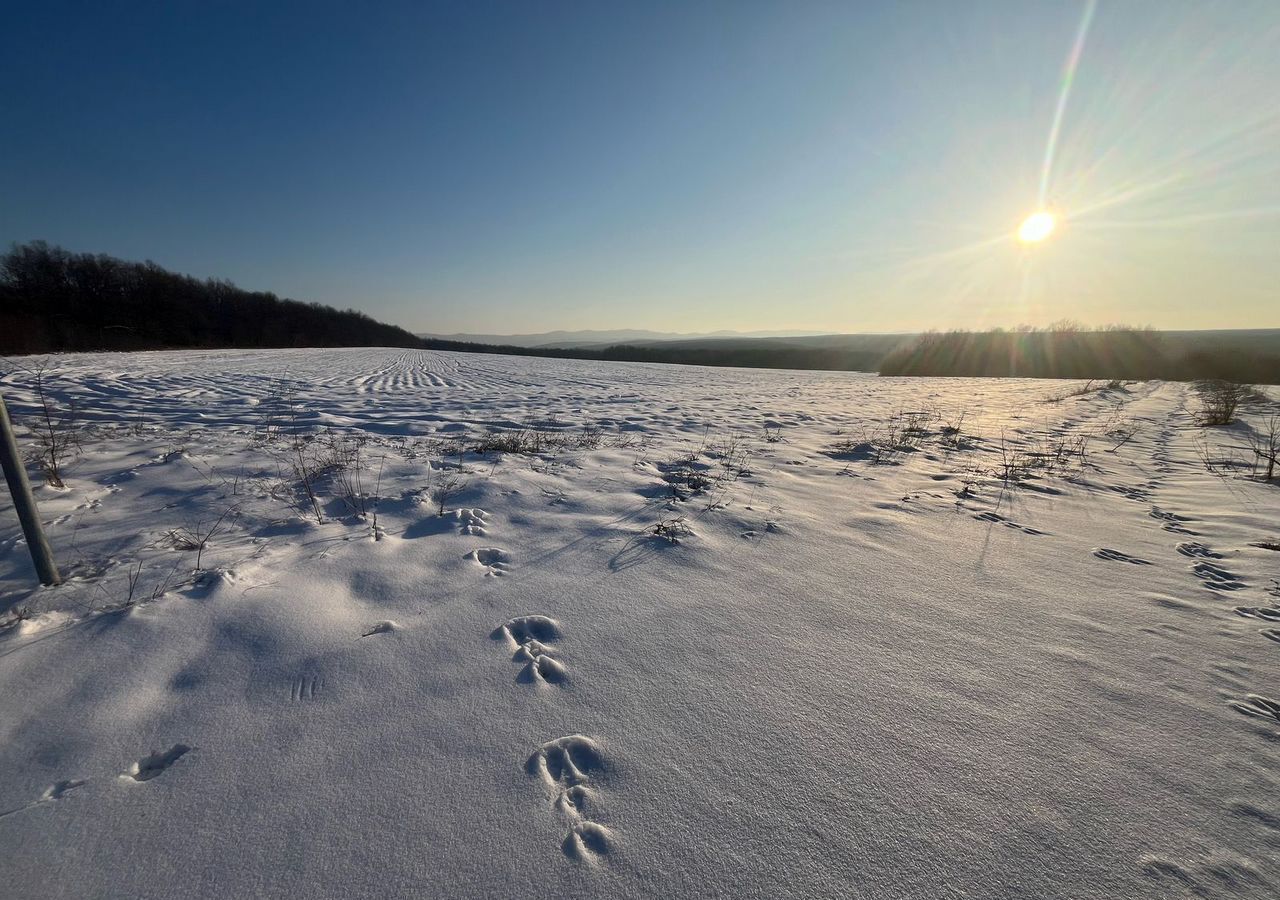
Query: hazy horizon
[(670, 167)]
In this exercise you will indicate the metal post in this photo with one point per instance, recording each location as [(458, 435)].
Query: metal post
[(16, 474)]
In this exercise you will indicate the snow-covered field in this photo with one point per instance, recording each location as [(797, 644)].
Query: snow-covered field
[(718, 638)]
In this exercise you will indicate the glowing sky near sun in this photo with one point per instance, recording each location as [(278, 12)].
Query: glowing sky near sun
[(693, 166)]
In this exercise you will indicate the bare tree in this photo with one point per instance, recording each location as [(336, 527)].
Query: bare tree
[(1264, 442)]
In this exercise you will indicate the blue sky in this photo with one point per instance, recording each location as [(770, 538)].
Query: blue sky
[(681, 166)]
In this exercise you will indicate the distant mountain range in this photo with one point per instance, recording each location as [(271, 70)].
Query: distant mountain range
[(590, 338)]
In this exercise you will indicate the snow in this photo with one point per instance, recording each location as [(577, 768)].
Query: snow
[(819, 674)]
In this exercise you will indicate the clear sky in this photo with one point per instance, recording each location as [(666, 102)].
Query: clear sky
[(526, 166)]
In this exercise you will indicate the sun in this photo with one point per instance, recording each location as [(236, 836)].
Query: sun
[(1037, 226)]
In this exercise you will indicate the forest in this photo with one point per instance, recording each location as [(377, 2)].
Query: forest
[(52, 300)]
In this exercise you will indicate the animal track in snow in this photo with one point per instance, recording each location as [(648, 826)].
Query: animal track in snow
[(472, 521), (586, 840), (150, 766), (528, 628), (52, 793), (1139, 494), (491, 559), (574, 801), (1172, 522), (1272, 633), (381, 628), (1270, 613), (1197, 549), (529, 635), (1217, 578), (1116, 556), (1259, 706), (994, 517), (567, 764), (304, 687), (567, 761), (59, 790), (540, 665)]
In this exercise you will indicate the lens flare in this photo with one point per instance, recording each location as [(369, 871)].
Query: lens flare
[(1036, 227)]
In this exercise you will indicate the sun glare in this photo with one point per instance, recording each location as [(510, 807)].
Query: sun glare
[(1036, 227)]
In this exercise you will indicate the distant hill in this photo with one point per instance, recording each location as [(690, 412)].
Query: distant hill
[(599, 339), (1125, 353), (53, 300), (850, 353)]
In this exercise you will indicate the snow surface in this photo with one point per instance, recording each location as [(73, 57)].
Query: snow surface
[(819, 677)]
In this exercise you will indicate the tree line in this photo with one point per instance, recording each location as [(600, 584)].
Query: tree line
[(52, 300), (762, 354), (1071, 351)]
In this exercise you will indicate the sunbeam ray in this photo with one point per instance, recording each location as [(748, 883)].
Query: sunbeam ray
[(1064, 93)]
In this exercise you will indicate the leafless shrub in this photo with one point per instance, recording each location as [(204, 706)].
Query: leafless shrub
[(1221, 461), (883, 442), (434, 446), (915, 424), (445, 485), (1063, 454), (867, 446), (515, 440), (968, 481), (623, 440), (1040, 455), (1077, 391), (732, 453), (313, 458), (139, 427), (1015, 464), (306, 470), (377, 496), (1264, 443), (1089, 387), (233, 484), (16, 616), (671, 529), (1219, 401), (589, 438), (951, 433), (546, 438), (136, 594), (642, 446), (278, 414), (1119, 431), (55, 429), (197, 537), (686, 475), (346, 471)]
